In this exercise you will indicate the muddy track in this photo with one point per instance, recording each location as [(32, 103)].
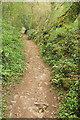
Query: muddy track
[(32, 97)]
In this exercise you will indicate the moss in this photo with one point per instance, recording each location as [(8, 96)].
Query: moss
[(69, 16)]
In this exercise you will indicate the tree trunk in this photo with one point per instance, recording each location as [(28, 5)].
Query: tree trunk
[(69, 16)]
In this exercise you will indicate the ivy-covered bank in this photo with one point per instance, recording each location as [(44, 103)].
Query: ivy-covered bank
[(12, 49), (59, 48), (12, 59)]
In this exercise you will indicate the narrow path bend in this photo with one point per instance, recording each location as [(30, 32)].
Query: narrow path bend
[(32, 98)]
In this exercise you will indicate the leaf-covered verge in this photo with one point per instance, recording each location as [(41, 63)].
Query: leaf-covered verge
[(12, 57), (59, 48)]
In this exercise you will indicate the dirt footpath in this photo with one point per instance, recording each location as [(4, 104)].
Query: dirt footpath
[(32, 97)]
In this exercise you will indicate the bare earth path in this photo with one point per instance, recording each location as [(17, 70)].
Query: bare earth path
[(32, 98)]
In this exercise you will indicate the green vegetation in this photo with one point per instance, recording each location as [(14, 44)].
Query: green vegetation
[(58, 47), (12, 57)]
